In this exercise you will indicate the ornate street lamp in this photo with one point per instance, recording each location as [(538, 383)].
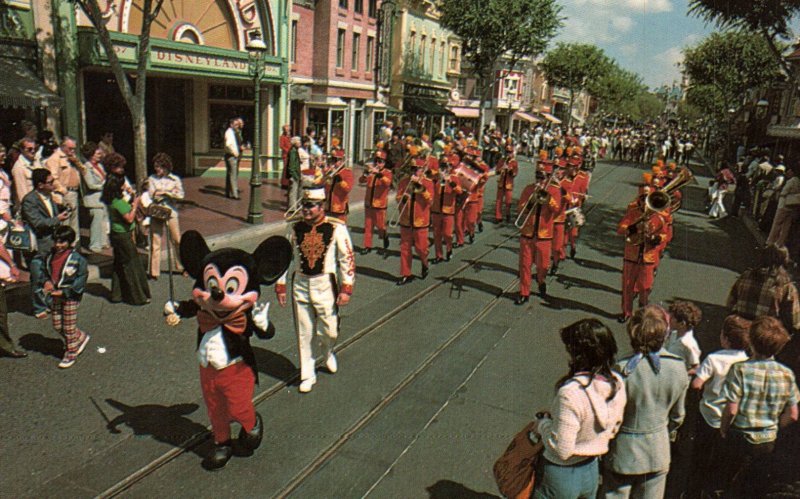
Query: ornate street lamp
[(256, 48)]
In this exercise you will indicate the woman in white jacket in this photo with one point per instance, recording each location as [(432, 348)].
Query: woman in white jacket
[(586, 414)]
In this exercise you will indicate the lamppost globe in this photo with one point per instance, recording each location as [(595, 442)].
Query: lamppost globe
[(256, 48)]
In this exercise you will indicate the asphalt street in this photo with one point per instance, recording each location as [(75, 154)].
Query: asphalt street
[(434, 377)]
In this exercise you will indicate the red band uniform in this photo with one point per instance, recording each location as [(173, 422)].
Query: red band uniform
[(337, 189), (415, 218), (580, 188), (536, 237), (474, 204), (446, 190), (560, 222), (641, 253), (507, 169), (376, 198)]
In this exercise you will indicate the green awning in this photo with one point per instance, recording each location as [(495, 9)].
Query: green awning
[(19, 87), (425, 106)]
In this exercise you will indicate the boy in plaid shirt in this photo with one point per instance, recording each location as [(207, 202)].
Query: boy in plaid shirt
[(760, 396), (66, 273)]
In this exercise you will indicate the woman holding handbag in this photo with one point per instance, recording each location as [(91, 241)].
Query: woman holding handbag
[(586, 414)]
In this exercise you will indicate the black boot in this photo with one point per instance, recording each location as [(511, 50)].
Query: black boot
[(404, 280), (250, 440), (449, 255), (471, 238), (521, 300), (480, 226), (365, 251), (424, 271), (386, 241), (219, 457), (572, 252), (543, 290), (554, 269)]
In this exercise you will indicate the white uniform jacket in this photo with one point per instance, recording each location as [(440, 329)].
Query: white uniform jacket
[(322, 249)]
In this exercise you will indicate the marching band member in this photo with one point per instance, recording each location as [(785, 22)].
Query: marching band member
[(338, 185), (414, 196), (644, 231), (472, 207), (378, 181), (542, 200), (443, 210), (579, 192), (324, 274), (565, 182), (507, 169), (461, 199)]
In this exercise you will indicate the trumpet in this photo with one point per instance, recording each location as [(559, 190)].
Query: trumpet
[(539, 197)]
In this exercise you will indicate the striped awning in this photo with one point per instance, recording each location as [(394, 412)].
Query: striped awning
[(19, 87), (552, 119), (522, 115)]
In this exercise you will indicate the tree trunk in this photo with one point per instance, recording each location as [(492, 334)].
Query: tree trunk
[(569, 111), (140, 145)]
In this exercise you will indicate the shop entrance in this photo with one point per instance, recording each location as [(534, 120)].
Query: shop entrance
[(165, 110)]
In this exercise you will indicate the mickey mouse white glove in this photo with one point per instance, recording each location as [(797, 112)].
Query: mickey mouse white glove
[(261, 315), (170, 311)]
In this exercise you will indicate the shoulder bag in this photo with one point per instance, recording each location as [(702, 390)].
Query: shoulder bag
[(514, 470)]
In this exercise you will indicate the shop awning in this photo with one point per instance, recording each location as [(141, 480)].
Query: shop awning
[(466, 112), (552, 119), (425, 106), (19, 87), (521, 115)]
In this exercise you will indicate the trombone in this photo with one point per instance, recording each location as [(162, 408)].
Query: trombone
[(405, 202), (539, 197)]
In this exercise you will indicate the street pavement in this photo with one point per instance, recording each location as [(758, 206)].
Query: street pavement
[(434, 377)]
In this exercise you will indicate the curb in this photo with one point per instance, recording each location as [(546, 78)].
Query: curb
[(225, 239)]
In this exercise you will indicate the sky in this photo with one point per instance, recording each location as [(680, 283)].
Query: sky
[(644, 36)]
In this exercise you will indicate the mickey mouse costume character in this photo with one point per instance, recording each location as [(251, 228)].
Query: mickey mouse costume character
[(224, 300)]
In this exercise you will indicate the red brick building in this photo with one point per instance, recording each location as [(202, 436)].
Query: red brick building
[(332, 64)]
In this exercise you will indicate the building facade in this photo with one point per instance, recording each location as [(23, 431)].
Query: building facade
[(332, 67), (198, 78), (425, 66), (29, 86)]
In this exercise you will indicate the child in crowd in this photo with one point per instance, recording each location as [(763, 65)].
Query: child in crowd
[(760, 396), (684, 317), (66, 273), (709, 378)]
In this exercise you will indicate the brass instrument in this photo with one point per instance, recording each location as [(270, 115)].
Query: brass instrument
[(331, 173), (415, 187), (658, 201), (292, 213), (539, 196)]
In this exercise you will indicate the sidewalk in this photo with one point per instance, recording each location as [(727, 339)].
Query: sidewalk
[(220, 220)]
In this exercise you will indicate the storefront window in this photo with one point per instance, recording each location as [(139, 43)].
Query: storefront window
[(337, 124), (226, 102)]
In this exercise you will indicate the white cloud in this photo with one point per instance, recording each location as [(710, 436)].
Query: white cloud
[(622, 23), (629, 50), (647, 6)]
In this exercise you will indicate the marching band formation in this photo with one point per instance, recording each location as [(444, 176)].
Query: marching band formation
[(444, 192)]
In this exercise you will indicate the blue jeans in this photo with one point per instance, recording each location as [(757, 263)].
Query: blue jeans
[(567, 482)]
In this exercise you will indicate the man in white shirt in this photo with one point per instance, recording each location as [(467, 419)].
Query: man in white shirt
[(23, 168), (788, 208), (233, 153)]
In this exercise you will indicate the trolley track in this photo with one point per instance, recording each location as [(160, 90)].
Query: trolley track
[(331, 451)]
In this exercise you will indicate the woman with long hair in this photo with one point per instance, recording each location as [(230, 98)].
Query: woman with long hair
[(129, 281), (586, 414)]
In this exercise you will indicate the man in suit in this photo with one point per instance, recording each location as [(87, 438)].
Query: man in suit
[(42, 215)]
